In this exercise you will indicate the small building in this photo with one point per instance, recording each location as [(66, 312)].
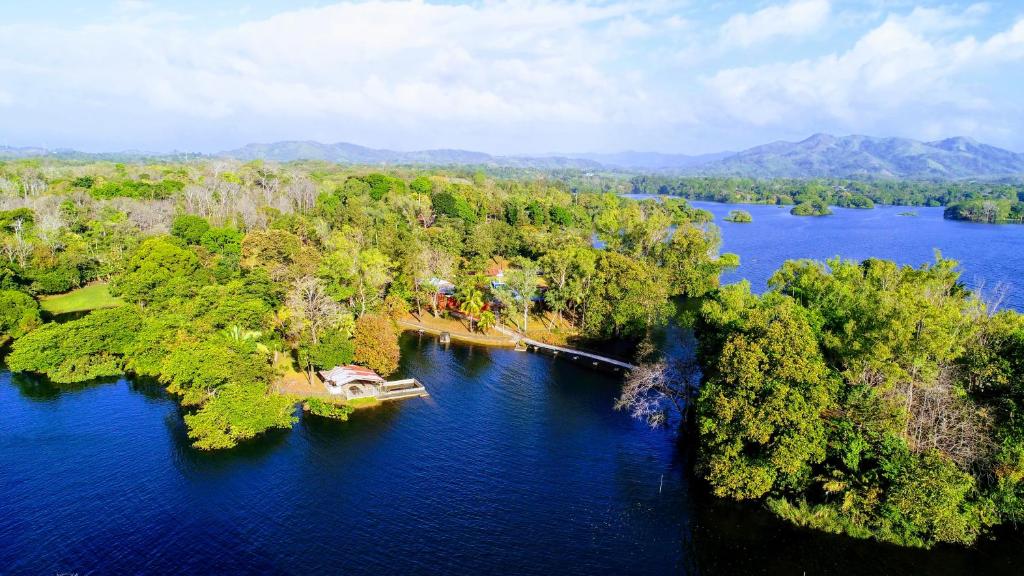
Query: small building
[(352, 382), (442, 286)]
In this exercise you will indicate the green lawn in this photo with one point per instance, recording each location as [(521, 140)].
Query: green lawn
[(362, 402), (87, 298)]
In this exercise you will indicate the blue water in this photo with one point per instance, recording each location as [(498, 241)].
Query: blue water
[(516, 464), (989, 254)]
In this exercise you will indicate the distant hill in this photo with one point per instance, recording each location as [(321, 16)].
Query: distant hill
[(631, 160), (823, 155), (346, 153), (820, 155), (350, 154)]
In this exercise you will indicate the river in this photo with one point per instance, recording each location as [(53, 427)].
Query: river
[(516, 464)]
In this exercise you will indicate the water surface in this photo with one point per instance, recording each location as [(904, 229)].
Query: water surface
[(516, 464), (989, 254)]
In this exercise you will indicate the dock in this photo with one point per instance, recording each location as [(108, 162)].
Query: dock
[(402, 389), (524, 343), (578, 355)]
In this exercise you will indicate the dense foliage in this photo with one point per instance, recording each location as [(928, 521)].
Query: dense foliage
[(739, 217), (19, 314), (844, 193), (988, 211), (868, 399), (813, 207), (236, 276)]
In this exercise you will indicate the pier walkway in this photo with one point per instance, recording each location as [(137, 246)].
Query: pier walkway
[(512, 338), (571, 352)]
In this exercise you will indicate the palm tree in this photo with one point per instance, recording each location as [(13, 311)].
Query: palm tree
[(472, 304), (487, 321), (239, 334)]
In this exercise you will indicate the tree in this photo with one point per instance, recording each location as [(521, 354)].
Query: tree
[(312, 310), (471, 303), (739, 217), (155, 271), (189, 228), (761, 402), (335, 348), (19, 314), (376, 344), (238, 412), (80, 350), (486, 321), (654, 392), (523, 282)]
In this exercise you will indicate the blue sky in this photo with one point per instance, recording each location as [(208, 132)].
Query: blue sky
[(526, 76)]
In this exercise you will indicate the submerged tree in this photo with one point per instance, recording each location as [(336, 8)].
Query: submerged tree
[(657, 392)]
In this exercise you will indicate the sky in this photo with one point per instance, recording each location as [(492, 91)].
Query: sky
[(506, 77)]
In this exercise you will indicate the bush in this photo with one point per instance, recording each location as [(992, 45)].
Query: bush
[(326, 409), (56, 280)]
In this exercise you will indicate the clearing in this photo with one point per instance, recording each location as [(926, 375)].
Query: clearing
[(90, 297)]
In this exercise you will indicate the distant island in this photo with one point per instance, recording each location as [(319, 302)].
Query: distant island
[(739, 217), (989, 211), (811, 208)]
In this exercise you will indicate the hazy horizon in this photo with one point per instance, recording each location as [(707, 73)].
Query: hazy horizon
[(506, 78)]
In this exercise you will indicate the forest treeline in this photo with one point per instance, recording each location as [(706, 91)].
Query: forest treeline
[(233, 274), (844, 193)]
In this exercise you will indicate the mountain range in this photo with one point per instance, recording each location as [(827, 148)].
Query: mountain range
[(820, 155)]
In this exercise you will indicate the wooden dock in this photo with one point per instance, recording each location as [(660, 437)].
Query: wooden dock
[(402, 389), (525, 343), (578, 355)]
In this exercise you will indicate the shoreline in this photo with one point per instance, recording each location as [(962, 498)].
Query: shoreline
[(482, 340)]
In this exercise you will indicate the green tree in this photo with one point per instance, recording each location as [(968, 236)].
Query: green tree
[(189, 228), (376, 344), (471, 302), (155, 271), (486, 321), (19, 314)]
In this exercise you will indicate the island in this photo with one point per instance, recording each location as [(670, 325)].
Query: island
[(989, 211), (739, 217), (814, 207)]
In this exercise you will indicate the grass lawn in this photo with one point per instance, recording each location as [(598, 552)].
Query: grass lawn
[(362, 402), (88, 298)]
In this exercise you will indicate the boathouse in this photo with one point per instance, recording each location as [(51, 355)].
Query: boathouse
[(352, 382)]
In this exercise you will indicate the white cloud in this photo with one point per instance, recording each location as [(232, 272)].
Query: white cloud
[(495, 62), (798, 18), (895, 73), (500, 75)]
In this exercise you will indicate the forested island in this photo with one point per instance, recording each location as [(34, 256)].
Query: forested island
[(860, 398), (739, 217), (813, 207), (988, 211)]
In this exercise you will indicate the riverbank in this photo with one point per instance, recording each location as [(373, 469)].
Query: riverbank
[(456, 329)]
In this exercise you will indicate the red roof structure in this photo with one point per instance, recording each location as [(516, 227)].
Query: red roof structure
[(341, 375)]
